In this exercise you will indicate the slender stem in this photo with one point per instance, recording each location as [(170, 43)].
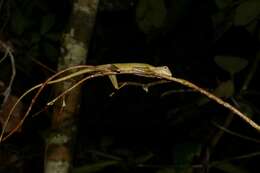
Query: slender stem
[(97, 72)]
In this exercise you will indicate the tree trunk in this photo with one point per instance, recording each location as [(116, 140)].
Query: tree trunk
[(59, 145)]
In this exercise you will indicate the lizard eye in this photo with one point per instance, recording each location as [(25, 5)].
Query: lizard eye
[(165, 68), (166, 71)]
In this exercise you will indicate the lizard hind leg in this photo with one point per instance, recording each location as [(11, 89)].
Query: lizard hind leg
[(115, 84)]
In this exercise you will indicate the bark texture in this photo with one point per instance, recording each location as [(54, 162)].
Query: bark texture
[(59, 145)]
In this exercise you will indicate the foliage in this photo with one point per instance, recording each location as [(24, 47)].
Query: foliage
[(231, 64), (213, 43), (150, 15)]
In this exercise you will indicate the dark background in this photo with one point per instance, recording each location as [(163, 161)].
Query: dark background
[(139, 131)]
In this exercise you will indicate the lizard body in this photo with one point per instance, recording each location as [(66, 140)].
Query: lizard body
[(127, 68), (138, 68)]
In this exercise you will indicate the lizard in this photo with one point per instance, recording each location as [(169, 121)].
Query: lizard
[(140, 69), (163, 72)]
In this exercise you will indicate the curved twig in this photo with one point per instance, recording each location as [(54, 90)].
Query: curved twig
[(40, 86), (97, 72)]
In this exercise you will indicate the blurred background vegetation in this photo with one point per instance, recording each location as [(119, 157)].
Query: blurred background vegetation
[(213, 43)]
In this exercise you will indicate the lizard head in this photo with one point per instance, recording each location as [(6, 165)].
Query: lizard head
[(163, 71)]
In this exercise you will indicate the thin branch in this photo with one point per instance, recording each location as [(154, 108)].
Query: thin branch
[(145, 86), (5, 55), (212, 164), (78, 84), (251, 73), (235, 133), (8, 52), (97, 72), (8, 89), (230, 116), (169, 92), (105, 155), (40, 86), (182, 82), (216, 99), (43, 65), (245, 156)]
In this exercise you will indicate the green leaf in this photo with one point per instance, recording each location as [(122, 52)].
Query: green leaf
[(258, 36), (246, 108), (106, 142), (230, 168), (166, 170), (52, 36), (33, 51), (50, 51), (184, 154), (144, 158), (90, 168), (223, 3), (231, 64), (225, 89), (251, 28), (150, 15), (35, 38), (246, 12), (19, 23), (47, 23)]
